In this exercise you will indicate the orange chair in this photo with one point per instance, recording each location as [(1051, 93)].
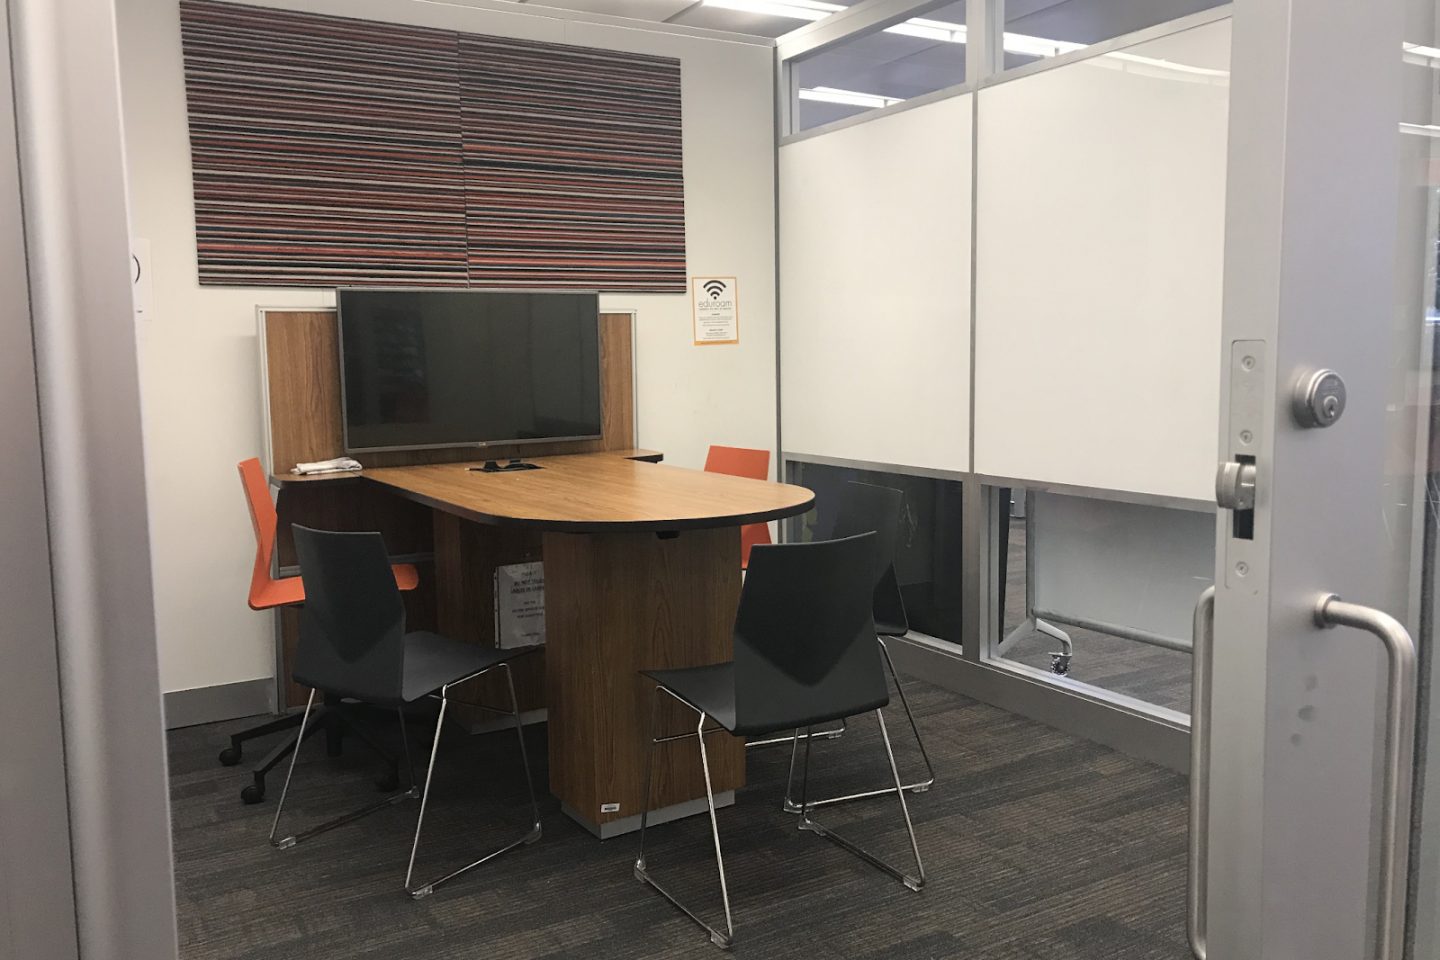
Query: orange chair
[(267, 593), (753, 465)]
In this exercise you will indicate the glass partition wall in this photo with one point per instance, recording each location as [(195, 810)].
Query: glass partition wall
[(1033, 357), (1102, 590), (905, 60), (928, 548)]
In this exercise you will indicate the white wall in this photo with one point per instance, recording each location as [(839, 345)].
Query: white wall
[(875, 295), (200, 375), (1100, 234)]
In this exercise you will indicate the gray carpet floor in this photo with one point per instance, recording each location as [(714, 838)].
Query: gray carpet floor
[(1037, 845)]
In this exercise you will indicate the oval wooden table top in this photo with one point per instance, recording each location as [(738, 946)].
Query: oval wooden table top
[(595, 493)]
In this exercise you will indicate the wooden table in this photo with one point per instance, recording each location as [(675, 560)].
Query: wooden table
[(642, 571)]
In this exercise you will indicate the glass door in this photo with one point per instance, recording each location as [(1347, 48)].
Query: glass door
[(1312, 655)]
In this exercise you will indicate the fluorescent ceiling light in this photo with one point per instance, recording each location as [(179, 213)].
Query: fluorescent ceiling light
[(937, 30), (1038, 46), (1420, 129), (1420, 55), (1167, 64), (794, 9), (942, 31), (929, 30), (849, 98)]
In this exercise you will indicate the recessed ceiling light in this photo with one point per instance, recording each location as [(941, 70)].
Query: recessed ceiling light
[(849, 98)]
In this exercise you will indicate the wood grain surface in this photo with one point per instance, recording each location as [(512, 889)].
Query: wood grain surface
[(596, 493), (302, 361), (616, 604), (466, 555)]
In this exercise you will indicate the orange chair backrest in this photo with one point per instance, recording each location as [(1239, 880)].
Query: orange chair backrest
[(753, 465), (739, 462), (265, 520)]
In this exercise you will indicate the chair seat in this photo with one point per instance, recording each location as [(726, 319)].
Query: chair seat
[(278, 593), (291, 590), (891, 629), (432, 661), (711, 690)]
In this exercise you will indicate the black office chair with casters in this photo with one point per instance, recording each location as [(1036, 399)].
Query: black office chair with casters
[(805, 654), (353, 644), (865, 508)]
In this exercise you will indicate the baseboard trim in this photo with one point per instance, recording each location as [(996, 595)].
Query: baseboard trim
[(1163, 740), (225, 701)]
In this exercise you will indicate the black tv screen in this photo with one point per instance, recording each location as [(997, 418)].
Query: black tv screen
[(467, 367)]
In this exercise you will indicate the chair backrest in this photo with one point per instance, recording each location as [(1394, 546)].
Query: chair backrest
[(738, 462), (264, 519), (352, 626), (867, 507), (805, 648), (753, 465)]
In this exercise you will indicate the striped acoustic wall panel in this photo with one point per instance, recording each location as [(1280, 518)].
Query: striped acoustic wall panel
[(572, 167), (330, 151), (326, 151)]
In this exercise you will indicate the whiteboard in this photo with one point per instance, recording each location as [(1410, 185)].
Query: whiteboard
[(875, 289), (1100, 218), (1104, 562)]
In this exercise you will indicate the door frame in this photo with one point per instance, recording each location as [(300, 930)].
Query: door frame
[(84, 493), (1310, 252)]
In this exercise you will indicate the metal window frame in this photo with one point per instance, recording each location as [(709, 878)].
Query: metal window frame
[(67, 106), (984, 53), (975, 667)]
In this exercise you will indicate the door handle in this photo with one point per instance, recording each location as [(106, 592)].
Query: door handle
[(1398, 790), (1397, 793), (1200, 660)]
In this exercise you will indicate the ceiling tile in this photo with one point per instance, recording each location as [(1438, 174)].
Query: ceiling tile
[(635, 9), (737, 21)]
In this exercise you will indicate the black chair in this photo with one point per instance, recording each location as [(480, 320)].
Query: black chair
[(805, 654), (867, 508), (353, 645)]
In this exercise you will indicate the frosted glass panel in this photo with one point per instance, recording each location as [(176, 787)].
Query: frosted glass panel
[(875, 291), (1100, 232)]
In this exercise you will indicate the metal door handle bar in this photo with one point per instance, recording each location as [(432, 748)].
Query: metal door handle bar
[(1397, 792), (1204, 634), (1330, 611)]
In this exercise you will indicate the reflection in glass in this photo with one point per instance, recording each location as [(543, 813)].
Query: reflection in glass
[(1104, 591), (927, 555), (916, 57), (1036, 29)]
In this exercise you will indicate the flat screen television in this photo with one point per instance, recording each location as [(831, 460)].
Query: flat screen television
[(467, 368)]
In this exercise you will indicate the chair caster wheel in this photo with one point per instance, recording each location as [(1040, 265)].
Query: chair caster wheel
[(387, 782), (252, 794), (230, 756), (1060, 664)]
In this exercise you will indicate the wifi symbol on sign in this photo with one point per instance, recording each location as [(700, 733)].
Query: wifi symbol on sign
[(715, 288)]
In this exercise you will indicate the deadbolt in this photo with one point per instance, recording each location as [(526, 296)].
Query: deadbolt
[(1319, 399)]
